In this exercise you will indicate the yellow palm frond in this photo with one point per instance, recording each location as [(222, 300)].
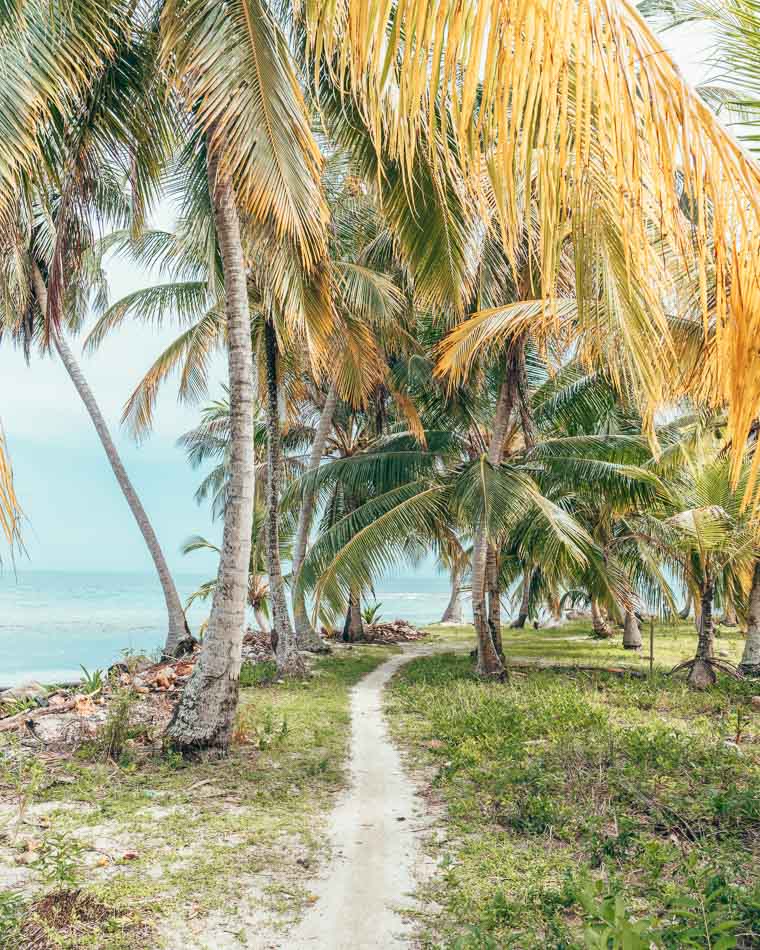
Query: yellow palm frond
[(10, 511), (575, 115)]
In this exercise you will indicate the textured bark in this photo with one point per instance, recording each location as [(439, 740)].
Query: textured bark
[(729, 618), (204, 718), (489, 662), (494, 599), (631, 632), (353, 627), (306, 636), (702, 673), (750, 663), (453, 611), (178, 637), (261, 621), (684, 614), (289, 663), (522, 616), (599, 624)]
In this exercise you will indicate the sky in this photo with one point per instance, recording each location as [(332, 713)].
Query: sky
[(76, 516)]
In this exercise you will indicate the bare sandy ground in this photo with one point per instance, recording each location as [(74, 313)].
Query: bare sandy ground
[(376, 836)]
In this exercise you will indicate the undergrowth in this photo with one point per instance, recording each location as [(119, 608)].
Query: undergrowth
[(587, 810)]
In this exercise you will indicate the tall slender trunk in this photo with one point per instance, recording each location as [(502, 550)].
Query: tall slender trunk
[(178, 637), (702, 673), (631, 632), (494, 599), (599, 624), (453, 611), (750, 662), (684, 614), (353, 627), (522, 616), (306, 635), (489, 662), (729, 618), (289, 663), (205, 715)]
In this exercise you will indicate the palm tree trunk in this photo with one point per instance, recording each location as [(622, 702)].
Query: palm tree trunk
[(489, 662), (453, 611), (306, 635), (353, 627), (702, 673), (684, 614), (750, 663), (205, 715), (178, 637), (631, 632), (494, 599), (599, 624), (729, 618), (261, 620), (522, 616), (289, 663)]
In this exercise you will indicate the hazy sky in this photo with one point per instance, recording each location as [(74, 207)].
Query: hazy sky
[(77, 517)]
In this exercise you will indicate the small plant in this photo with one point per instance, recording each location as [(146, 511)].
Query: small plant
[(609, 925), (16, 706), (91, 682), (371, 614), (60, 861), (114, 733), (11, 911), (268, 734)]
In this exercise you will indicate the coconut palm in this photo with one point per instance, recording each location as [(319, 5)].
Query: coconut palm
[(89, 154)]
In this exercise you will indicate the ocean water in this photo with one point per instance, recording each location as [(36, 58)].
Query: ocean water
[(53, 621)]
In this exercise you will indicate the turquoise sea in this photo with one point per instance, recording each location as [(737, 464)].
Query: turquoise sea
[(53, 621)]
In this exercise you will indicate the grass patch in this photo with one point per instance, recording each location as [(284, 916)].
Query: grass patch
[(586, 810), (162, 838), (573, 643)]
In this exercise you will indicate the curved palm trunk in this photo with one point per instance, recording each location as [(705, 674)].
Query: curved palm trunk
[(205, 715), (684, 614), (729, 618), (306, 636), (599, 624), (631, 632), (750, 662), (289, 663), (489, 662), (453, 612), (702, 673), (178, 637), (522, 616), (261, 620)]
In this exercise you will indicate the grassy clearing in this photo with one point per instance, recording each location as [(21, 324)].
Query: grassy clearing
[(586, 810), (158, 841), (572, 643)]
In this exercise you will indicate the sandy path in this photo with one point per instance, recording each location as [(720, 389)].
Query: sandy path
[(375, 836)]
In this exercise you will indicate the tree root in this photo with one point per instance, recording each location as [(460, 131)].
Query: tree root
[(702, 671)]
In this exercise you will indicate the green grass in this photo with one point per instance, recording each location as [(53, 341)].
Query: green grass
[(203, 832), (572, 643), (579, 802)]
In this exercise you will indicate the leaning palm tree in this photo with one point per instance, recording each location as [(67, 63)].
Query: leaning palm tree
[(86, 176)]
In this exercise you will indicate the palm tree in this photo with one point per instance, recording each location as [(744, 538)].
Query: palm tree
[(88, 152)]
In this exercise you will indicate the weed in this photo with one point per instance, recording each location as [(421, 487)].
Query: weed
[(11, 914), (59, 862), (91, 682), (371, 614), (115, 731)]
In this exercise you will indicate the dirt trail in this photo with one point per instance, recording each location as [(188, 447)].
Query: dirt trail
[(375, 835)]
